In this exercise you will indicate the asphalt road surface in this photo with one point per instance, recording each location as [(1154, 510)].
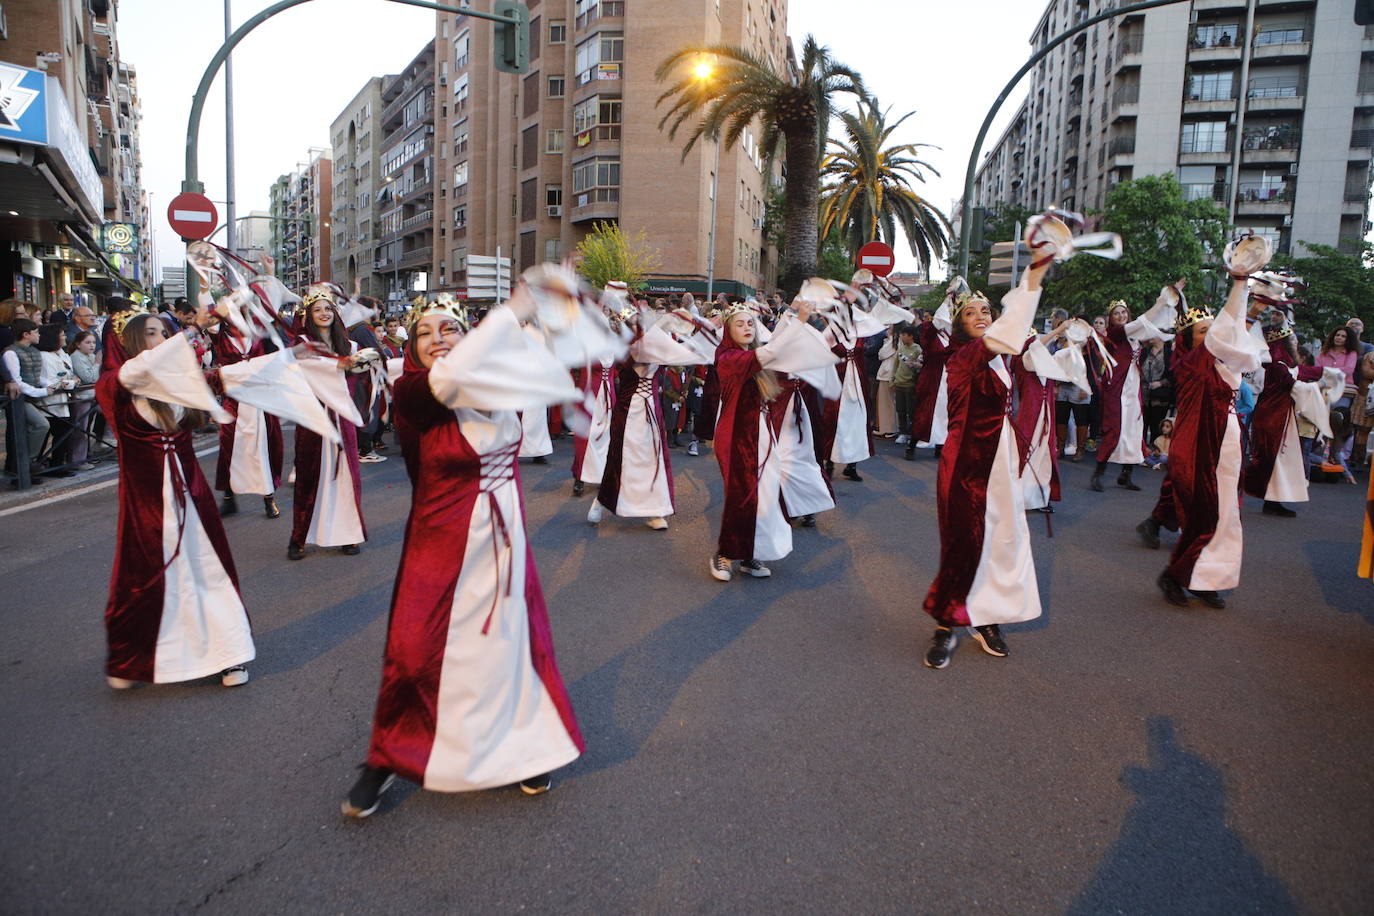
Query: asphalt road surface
[(756, 746)]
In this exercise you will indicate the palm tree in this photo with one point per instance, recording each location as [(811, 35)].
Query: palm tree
[(730, 88), (870, 192)]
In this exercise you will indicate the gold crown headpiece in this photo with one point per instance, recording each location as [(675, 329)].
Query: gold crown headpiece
[(964, 300), (739, 308), (120, 320), (1274, 334), (1191, 316), (318, 292), (444, 304), (1115, 302)]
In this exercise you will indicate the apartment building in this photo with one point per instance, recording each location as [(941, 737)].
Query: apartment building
[(1265, 106), (356, 137), (300, 238), (405, 221), (69, 156), (527, 164)]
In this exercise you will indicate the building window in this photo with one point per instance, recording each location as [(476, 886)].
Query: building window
[(1203, 137), (588, 11), (596, 180), (553, 195), (558, 32), (599, 117), (460, 217), (600, 57), (460, 260), (462, 46), (555, 87), (460, 93), (553, 249), (460, 138), (1211, 87), (553, 140), (460, 178)]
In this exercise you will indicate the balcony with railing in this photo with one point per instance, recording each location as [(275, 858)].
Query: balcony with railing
[(1128, 49), (1357, 191), (1215, 41), (1121, 146), (420, 221), (1366, 85), (1276, 43), (1257, 198), (1274, 93), (605, 9), (1362, 138), (1218, 191), (416, 257)]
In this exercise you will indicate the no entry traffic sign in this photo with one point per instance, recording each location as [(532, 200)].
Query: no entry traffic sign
[(878, 257), (192, 216)]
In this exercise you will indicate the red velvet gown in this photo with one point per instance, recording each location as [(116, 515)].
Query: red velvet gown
[(1123, 398), (250, 446), (753, 463), (1036, 436), (327, 500), (174, 611), (845, 421), (987, 573), (1276, 470), (1200, 495), (589, 451), (930, 415), (471, 697)]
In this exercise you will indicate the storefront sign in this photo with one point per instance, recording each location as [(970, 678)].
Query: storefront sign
[(119, 238)]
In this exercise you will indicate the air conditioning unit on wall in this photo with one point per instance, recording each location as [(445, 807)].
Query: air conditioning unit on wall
[(555, 211)]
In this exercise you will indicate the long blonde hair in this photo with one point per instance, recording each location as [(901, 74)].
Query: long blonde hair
[(766, 379)]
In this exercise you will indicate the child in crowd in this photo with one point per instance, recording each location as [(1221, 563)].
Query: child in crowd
[(1158, 459)]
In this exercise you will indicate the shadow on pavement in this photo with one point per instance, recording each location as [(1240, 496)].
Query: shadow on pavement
[(1176, 853), (302, 641), (1333, 565)]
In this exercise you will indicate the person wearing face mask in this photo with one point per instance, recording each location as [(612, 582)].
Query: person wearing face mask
[(987, 575), (471, 697), (327, 500), (174, 611), (754, 418)]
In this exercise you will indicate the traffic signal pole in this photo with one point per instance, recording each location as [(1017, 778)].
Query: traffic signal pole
[(507, 13), (965, 222)]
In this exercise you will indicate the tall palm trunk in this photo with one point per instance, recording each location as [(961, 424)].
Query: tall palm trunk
[(801, 191)]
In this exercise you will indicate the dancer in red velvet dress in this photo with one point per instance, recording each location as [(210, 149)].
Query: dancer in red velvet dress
[(987, 574), (1200, 494), (1123, 402), (174, 611), (250, 445), (754, 418), (471, 697)]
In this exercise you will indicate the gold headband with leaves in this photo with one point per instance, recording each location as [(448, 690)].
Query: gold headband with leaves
[(1192, 316), (445, 305), (120, 320), (964, 300)]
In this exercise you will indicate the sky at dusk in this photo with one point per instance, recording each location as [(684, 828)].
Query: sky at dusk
[(944, 61)]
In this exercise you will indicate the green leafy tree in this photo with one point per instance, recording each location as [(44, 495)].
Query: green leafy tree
[(607, 254), (1339, 287), (835, 261), (738, 88), (1000, 227), (870, 188), (1165, 237)]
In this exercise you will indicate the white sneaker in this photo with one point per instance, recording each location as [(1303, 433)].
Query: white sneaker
[(291, 478), (754, 568), (720, 568), (236, 676), (658, 524), (903, 439), (118, 683), (371, 458), (594, 513), (694, 449)]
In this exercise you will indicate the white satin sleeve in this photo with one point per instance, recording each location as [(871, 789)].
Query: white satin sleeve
[(1151, 325), (170, 372), (1228, 339), (1310, 403), (795, 347), (657, 347), (276, 384), (499, 367), (1009, 332), (1038, 359)]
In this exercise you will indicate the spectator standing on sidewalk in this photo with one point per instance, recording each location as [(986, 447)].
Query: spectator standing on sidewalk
[(57, 369), (904, 373), (1158, 386), (24, 367), (86, 365)]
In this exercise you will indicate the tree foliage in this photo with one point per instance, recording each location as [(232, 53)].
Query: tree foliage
[(1338, 287), (869, 190), (1165, 237), (607, 254), (791, 108), (1000, 227)]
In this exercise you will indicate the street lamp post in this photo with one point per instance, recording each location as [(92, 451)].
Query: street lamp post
[(703, 71)]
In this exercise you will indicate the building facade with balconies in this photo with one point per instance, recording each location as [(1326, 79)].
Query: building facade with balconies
[(356, 138), (69, 155), (404, 226), (300, 216), (584, 144), (1265, 106)]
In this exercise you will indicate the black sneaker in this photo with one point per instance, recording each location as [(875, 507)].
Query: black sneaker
[(1096, 483), (269, 507), (1211, 599), (990, 638), (1149, 533), (1279, 509), (1124, 481), (941, 647), (851, 472), (1173, 592), (351, 550), (537, 785), (578, 488), (808, 521), (540, 459), (229, 506), (754, 568), (909, 453), (366, 793), (295, 551)]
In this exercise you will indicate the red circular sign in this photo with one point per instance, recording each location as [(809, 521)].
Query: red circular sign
[(192, 216), (878, 257)]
